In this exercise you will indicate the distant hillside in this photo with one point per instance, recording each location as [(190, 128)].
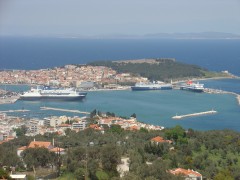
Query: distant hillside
[(203, 35), (163, 69)]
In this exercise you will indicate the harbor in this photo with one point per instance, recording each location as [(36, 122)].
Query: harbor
[(64, 110), (194, 114), (162, 105)]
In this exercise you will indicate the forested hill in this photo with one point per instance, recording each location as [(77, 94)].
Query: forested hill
[(215, 154), (155, 69)]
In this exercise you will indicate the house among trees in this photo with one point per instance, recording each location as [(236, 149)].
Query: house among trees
[(38, 144), (160, 139), (59, 150), (187, 174)]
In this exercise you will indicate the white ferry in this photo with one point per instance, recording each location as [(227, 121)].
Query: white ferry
[(191, 86), (48, 93), (151, 86)]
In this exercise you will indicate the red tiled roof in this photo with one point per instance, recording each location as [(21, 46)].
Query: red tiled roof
[(180, 171), (160, 139), (57, 149), (134, 128), (22, 148), (34, 144), (95, 126)]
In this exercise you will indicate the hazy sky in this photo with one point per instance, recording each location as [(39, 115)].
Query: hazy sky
[(103, 17)]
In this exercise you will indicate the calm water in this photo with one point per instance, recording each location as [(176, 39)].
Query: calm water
[(35, 53), (153, 107)]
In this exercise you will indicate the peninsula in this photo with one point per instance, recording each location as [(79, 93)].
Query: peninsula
[(110, 74)]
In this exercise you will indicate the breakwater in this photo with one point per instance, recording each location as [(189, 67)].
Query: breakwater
[(194, 114), (64, 110), (18, 110), (217, 91)]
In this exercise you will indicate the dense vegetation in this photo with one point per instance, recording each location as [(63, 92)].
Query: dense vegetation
[(215, 154), (163, 69)]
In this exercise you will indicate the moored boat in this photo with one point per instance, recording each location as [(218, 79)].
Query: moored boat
[(48, 93), (191, 86), (151, 86)]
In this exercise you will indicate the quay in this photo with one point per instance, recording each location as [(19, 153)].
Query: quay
[(194, 114), (64, 110), (18, 110), (8, 100)]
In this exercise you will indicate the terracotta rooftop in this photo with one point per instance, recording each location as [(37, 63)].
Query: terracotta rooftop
[(22, 148), (160, 139), (34, 144), (95, 126), (57, 149), (134, 128), (186, 172)]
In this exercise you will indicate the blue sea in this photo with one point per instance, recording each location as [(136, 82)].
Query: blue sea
[(35, 53), (153, 107)]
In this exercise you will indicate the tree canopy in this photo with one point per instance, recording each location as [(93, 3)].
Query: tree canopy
[(163, 69), (215, 154)]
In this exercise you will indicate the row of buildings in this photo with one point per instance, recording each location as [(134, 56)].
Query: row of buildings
[(69, 75), (59, 124)]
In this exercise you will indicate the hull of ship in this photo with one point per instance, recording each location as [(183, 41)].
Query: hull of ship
[(193, 90), (55, 98), (134, 88)]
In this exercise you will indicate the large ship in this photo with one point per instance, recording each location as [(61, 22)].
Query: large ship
[(151, 86), (191, 86), (48, 93)]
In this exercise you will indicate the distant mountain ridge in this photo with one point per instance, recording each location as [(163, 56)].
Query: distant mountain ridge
[(202, 35)]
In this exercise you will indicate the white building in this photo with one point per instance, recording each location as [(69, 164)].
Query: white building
[(81, 125)]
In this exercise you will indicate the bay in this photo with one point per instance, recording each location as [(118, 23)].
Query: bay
[(153, 107)]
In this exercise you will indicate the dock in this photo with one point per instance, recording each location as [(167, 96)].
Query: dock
[(64, 110), (9, 100), (18, 110), (194, 114)]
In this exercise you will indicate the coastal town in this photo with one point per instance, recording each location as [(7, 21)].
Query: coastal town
[(87, 78), (59, 124), (69, 76)]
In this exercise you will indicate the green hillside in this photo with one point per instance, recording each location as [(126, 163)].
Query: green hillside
[(157, 69)]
